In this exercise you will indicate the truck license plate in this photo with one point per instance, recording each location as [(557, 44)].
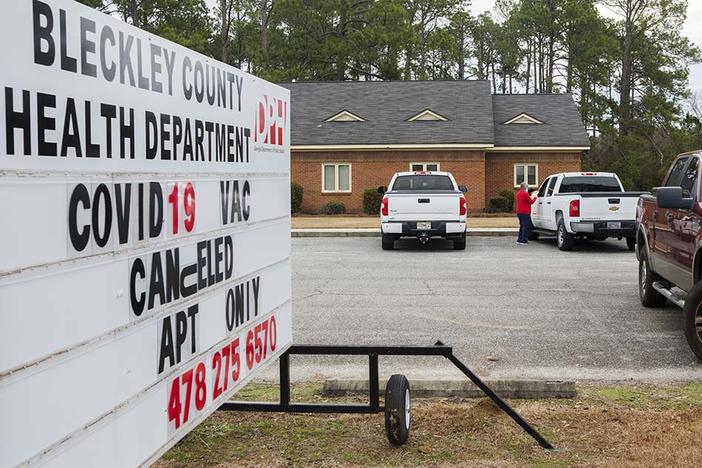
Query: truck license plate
[(611, 225), (424, 226)]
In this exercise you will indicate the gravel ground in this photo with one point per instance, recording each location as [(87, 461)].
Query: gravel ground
[(508, 311)]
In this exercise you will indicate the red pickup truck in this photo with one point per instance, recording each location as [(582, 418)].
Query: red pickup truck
[(669, 245)]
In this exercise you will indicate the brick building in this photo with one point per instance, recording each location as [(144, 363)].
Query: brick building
[(351, 136)]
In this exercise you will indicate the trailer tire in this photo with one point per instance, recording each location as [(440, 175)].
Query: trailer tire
[(388, 241), (648, 296), (397, 409), (692, 313), (564, 240), (460, 243), (631, 243)]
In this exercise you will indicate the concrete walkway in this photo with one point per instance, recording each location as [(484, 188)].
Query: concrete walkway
[(375, 232), (368, 222)]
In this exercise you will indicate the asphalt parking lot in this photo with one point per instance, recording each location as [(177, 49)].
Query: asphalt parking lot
[(509, 311)]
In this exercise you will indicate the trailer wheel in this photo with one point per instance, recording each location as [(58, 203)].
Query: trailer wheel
[(397, 409), (693, 320)]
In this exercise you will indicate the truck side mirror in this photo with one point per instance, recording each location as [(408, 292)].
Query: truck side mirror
[(672, 198), (463, 188), (382, 189)]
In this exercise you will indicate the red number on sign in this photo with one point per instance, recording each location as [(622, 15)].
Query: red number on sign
[(173, 200), (200, 388), (236, 364), (250, 349), (258, 343), (189, 202), (217, 367), (225, 354), (174, 403), (188, 380), (264, 327), (274, 333)]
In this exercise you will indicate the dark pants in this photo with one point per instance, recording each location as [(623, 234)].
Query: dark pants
[(524, 227)]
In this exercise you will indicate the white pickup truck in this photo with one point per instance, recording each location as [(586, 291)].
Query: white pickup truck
[(423, 205), (590, 205)]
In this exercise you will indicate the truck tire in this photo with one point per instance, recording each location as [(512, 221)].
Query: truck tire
[(648, 296), (631, 243), (388, 241), (460, 243), (564, 240), (693, 319), (533, 236), (397, 409)]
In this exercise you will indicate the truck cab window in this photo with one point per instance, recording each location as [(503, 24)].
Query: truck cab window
[(676, 173), (542, 190), (690, 178), (551, 186)]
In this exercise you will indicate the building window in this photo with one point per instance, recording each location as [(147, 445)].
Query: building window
[(336, 177), (419, 166), (528, 173)]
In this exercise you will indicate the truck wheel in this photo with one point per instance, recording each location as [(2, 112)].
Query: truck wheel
[(533, 236), (648, 296), (460, 243), (397, 409), (631, 243), (693, 319), (388, 241), (564, 240)]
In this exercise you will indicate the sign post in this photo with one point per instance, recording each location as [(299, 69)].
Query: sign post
[(145, 238)]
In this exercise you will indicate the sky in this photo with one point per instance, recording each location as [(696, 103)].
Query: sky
[(691, 29)]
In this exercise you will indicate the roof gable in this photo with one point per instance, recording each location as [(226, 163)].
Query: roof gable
[(427, 115), (345, 116), (523, 119)]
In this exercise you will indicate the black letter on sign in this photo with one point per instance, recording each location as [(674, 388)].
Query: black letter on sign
[(155, 210), (124, 210), (79, 240), (45, 123), (68, 63), (102, 192), (247, 208), (229, 310), (137, 269), (43, 33), (151, 132), (166, 350), (156, 285), (19, 120)]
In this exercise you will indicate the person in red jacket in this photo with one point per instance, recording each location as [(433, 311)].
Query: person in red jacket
[(522, 203)]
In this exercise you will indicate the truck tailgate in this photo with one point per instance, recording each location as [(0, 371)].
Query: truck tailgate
[(436, 206), (608, 206)]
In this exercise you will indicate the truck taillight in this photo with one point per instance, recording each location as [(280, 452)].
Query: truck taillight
[(462, 210), (575, 208), (384, 207)]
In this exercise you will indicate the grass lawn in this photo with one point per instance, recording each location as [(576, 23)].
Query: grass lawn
[(604, 425)]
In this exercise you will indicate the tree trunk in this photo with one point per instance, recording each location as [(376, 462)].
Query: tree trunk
[(225, 18), (264, 11)]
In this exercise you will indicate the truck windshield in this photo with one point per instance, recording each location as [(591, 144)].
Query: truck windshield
[(590, 184), (423, 183)]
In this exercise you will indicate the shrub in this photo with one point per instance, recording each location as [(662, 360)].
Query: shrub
[(509, 195), (295, 197), (333, 208), (498, 205), (371, 201)]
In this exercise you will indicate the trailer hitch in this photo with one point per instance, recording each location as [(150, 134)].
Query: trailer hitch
[(396, 406)]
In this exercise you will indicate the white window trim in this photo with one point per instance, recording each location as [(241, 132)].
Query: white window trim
[(336, 177), (526, 176), (345, 116), (523, 116), (424, 165), (425, 112)]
